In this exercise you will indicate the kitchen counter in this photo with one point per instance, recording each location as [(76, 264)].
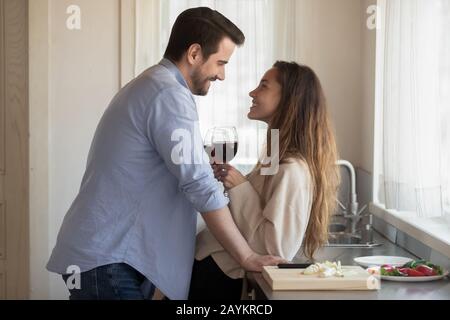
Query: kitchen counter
[(389, 290)]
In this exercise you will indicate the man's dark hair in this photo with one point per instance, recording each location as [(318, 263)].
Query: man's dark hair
[(203, 26)]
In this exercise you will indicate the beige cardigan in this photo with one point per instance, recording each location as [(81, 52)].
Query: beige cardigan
[(277, 228)]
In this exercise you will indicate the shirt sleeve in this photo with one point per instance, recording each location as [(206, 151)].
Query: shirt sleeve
[(281, 223), (173, 130)]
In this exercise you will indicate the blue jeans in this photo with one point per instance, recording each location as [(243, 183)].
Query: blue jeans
[(116, 281)]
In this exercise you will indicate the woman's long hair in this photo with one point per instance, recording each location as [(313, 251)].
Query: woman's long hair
[(305, 133)]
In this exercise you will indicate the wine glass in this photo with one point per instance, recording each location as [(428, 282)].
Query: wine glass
[(225, 144)]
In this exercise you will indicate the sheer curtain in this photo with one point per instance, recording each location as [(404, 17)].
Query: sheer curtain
[(228, 102), (414, 108)]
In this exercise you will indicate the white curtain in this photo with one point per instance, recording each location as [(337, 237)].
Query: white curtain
[(267, 25), (415, 107)]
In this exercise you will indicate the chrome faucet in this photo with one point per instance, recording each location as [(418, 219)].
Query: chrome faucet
[(355, 215)]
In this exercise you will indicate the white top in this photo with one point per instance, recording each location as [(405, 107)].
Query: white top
[(277, 228)]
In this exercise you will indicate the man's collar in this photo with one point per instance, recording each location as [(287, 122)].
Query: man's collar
[(175, 71)]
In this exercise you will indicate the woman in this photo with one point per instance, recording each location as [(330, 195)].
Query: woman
[(276, 213)]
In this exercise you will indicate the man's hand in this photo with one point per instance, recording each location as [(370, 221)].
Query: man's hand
[(228, 175), (255, 262)]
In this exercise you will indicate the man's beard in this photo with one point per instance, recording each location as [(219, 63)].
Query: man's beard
[(200, 84)]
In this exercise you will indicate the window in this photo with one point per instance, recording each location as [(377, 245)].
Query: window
[(412, 144)]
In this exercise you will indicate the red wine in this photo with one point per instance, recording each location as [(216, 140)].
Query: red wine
[(224, 152)]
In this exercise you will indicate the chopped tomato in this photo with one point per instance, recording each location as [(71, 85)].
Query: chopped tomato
[(411, 272), (426, 270)]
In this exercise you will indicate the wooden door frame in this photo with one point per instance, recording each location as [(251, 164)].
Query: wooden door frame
[(14, 193)]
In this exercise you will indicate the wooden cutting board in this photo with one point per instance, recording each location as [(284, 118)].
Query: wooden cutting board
[(355, 278)]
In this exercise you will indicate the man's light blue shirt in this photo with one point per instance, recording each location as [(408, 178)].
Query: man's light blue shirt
[(136, 205)]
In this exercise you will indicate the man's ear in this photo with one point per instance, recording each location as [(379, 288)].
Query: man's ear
[(194, 54)]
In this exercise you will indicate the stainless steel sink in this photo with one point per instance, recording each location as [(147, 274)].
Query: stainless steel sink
[(348, 240), (343, 238), (336, 227)]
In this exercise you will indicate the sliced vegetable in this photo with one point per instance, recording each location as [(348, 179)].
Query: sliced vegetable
[(325, 270), (391, 271), (437, 270), (414, 263), (398, 273), (426, 270), (417, 268), (411, 272)]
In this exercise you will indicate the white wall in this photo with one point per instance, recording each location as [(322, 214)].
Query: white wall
[(334, 40), (75, 74), (330, 43)]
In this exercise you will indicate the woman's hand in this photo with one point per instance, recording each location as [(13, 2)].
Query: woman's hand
[(228, 175)]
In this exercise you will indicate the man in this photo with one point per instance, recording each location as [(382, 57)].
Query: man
[(134, 219)]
